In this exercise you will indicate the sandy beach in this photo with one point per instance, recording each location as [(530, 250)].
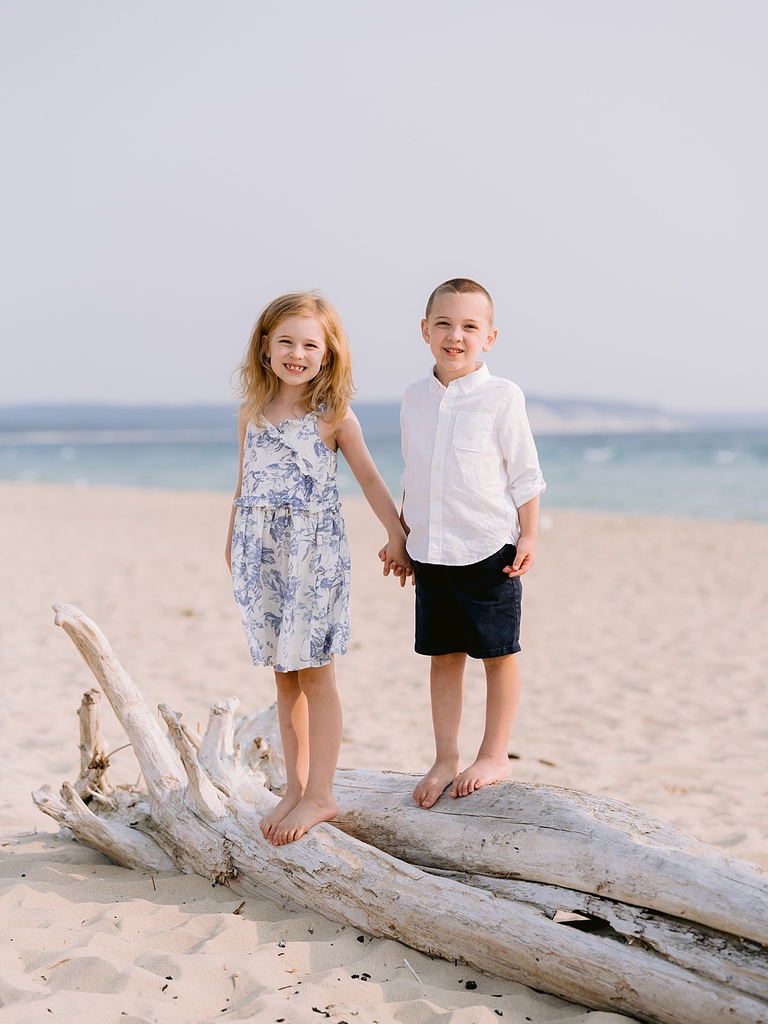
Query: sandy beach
[(644, 677)]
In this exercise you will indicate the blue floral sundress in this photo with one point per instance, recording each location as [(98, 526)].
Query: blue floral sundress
[(290, 556)]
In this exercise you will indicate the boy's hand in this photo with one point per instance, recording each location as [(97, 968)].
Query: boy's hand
[(401, 568), (524, 558)]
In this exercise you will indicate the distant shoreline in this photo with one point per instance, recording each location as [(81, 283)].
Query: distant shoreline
[(548, 416)]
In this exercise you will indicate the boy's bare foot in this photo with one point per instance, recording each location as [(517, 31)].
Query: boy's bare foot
[(484, 772), (305, 814), (429, 789)]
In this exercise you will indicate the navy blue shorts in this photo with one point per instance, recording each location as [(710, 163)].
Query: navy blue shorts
[(468, 609)]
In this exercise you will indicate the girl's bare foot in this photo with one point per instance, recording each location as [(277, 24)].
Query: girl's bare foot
[(270, 821), (440, 775), (305, 814), (484, 772)]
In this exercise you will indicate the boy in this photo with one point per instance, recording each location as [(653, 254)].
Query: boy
[(470, 508)]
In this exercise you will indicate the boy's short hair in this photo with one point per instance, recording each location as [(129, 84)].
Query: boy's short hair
[(458, 285)]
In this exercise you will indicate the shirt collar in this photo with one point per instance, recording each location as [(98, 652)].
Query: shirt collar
[(467, 383)]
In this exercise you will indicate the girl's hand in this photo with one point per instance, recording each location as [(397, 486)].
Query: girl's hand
[(396, 563)]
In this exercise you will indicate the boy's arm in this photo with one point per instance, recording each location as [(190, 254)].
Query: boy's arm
[(525, 482), (524, 479), (526, 545)]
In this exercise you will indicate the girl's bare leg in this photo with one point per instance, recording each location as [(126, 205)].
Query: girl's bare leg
[(503, 697), (324, 723), (292, 716), (446, 686)]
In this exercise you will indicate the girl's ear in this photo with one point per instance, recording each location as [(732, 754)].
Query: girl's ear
[(328, 360), (264, 357)]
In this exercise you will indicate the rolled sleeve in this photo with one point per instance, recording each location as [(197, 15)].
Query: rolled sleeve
[(523, 490), (524, 477)]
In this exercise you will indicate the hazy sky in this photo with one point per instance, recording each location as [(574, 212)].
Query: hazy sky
[(168, 166)]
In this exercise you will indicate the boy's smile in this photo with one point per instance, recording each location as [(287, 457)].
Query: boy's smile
[(297, 349), (459, 328)]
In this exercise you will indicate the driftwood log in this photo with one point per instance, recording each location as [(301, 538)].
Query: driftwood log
[(583, 897)]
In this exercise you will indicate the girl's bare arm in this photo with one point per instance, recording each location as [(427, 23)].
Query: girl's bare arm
[(242, 425), (349, 437)]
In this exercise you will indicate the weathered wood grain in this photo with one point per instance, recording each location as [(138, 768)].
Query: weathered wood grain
[(201, 812)]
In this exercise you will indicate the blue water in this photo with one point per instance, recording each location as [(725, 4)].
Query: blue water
[(720, 474), (712, 475)]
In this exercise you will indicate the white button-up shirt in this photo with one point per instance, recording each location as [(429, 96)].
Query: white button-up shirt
[(470, 463)]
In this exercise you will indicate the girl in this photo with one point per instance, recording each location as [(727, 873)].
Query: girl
[(287, 546)]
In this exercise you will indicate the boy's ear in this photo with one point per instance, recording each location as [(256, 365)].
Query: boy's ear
[(490, 341), (425, 331)]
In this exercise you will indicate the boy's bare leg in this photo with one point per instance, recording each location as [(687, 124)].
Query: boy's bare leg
[(292, 716), (446, 686), (503, 697), (317, 803)]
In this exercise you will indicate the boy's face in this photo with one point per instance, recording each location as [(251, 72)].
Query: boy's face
[(457, 330)]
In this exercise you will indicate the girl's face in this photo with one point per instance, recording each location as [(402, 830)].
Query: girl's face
[(296, 350)]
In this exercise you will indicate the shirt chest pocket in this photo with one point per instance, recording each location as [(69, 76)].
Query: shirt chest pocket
[(472, 431)]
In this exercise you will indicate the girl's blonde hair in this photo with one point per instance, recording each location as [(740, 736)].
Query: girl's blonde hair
[(256, 382)]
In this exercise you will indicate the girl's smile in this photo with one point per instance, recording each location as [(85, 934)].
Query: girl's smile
[(294, 368)]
